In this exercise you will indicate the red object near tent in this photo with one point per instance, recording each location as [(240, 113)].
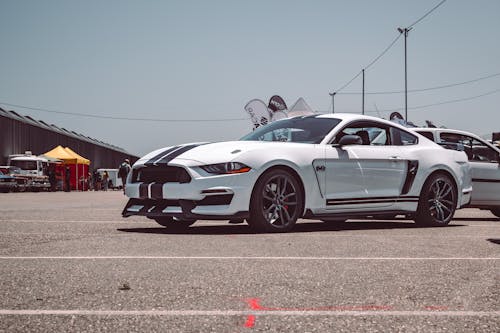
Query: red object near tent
[(78, 166)]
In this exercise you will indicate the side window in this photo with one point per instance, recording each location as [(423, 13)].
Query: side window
[(483, 153), (402, 138), (476, 150), (370, 133), (428, 135), (457, 142)]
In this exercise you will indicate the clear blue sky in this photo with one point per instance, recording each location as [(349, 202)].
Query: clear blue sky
[(196, 60)]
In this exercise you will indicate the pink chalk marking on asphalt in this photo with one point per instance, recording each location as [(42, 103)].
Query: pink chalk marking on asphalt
[(254, 304), (250, 323), (436, 308)]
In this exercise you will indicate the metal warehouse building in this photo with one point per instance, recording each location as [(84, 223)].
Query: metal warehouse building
[(22, 133)]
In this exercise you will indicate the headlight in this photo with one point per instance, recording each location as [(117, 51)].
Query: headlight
[(226, 168)]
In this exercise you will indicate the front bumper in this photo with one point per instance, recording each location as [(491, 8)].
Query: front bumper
[(8, 186), (217, 197), (206, 209)]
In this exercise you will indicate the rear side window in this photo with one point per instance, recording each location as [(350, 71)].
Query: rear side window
[(428, 135), (402, 138)]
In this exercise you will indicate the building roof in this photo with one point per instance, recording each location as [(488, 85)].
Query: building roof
[(39, 123)]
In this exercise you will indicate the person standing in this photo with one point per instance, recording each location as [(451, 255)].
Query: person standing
[(123, 171), (67, 177), (105, 180), (52, 179)]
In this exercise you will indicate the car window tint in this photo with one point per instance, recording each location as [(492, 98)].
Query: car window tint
[(370, 133), (428, 135), (483, 153), (300, 129), (402, 138), (476, 150)]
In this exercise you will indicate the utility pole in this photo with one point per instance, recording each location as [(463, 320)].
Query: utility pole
[(405, 31), (333, 101), (363, 98)]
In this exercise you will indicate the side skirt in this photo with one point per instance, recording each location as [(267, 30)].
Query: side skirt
[(366, 214)]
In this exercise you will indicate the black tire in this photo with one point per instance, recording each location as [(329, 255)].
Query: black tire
[(277, 202), (495, 211), (438, 201), (174, 223)]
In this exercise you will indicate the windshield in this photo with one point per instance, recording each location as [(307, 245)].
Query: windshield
[(301, 129), (24, 165)]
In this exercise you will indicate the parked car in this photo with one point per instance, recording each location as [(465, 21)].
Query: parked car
[(7, 183), (484, 159), (323, 167)]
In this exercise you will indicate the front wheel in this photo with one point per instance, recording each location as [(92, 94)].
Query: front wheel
[(173, 223), (276, 202), (438, 201)]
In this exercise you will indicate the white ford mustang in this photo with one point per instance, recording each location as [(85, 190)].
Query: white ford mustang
[(325, 167)]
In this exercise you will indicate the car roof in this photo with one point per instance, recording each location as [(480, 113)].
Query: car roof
[(449, 130), (345, 117), (455, 131)]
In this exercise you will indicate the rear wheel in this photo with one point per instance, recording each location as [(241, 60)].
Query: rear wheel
[(438, 201), (173, 223), (276, 203), (495, 211)]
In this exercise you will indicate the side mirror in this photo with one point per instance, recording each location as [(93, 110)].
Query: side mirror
[(348, 140)]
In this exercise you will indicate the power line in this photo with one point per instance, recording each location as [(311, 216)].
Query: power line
[(348, 83), (384, 52), (439, 103), (430, 11), (120, 118), (370, 64), (422, 89), (388, 47)]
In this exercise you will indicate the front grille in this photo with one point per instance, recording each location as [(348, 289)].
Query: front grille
[(160, 174)]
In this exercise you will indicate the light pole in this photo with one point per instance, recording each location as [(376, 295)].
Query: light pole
[(363, 97), (405, 31), (333, 101)]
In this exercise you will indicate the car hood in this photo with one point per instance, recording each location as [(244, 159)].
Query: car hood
[(207, 153)]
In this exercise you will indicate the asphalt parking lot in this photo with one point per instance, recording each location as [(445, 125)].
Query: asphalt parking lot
[(69, 262)]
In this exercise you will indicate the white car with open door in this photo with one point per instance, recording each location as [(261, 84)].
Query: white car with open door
[(322, 167), (484, 159)]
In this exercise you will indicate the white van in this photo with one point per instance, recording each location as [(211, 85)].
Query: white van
[(116, 182)]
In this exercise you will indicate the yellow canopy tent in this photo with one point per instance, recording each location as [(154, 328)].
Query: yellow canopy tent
[(77, 163), (79, 159), (61, 154)]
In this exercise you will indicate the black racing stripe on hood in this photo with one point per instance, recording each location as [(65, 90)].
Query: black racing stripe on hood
[(159, 156), (176, 153)]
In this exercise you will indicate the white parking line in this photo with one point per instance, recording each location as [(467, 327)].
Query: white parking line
[(175, 313), (238, 258)]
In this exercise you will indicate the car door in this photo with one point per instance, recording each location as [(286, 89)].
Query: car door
[(485, 174), (485, 168), (369, 175)]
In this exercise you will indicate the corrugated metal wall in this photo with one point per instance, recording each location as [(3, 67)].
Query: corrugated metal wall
[(19, 134)]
